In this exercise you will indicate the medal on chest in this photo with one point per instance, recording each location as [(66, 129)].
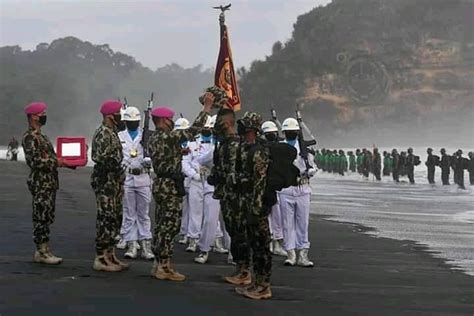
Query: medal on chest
[(133, 153)]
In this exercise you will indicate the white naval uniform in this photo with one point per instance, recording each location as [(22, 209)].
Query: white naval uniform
[(295, 206), (213, 222), (137, 191), (196, 187), (276, 222), (185, 214)]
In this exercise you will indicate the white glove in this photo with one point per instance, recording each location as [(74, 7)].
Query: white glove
[(196, 177), (146, 163), (312, 172)]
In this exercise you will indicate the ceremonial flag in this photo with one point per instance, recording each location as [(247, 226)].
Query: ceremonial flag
[(224, 77)]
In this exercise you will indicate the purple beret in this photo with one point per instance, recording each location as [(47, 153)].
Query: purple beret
[(35, 108), (110, 107), (162, 111)]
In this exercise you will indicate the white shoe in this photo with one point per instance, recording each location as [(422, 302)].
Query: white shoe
[(291, 260), (132, 251), (183, 240), (303, 260), (122, 244), (278, 249), (192, 245), (146, 249), (219, 247), (202, 258)]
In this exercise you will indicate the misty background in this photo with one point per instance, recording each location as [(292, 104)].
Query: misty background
[(384, 72)]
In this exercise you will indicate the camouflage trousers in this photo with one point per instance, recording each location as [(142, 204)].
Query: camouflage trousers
[(236, 225), (259, 239), (109, 216), (168, 210), (44, 204)]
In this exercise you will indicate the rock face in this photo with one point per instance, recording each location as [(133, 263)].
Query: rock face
[(364, 61)]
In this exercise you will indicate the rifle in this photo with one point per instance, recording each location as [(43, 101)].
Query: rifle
[(304, 144), (275, 119), (146, 126), (125, 103)]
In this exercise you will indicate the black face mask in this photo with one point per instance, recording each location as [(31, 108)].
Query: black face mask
[(291, 135), (271, 137), (42, 120), (118, 122), (132, 125), (206, 133)]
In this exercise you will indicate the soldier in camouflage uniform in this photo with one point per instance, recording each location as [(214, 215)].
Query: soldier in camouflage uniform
[(43, 180), (168, 188), (223, 177), (376, 164), (352, 161), (252, 163), (107, 181)]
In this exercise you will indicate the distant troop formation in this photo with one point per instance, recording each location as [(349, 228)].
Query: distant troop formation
[(366, 162), (219, 183)]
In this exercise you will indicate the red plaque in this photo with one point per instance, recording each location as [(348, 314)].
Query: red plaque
[(73, 150)]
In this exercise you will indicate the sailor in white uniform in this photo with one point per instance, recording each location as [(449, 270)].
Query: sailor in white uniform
[(295, 203), (137, 189), (180, 124)]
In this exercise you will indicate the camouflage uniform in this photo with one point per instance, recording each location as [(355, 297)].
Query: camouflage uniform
[(224, 176), (258, 232), (42, 182), (168, 186), (107, 182)]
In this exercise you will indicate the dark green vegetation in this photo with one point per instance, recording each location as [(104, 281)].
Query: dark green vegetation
[(74, 77), (365, 71), (374, 63)]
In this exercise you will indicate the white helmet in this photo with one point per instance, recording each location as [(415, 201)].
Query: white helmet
[(211, 121), (269, 126), (131, 113), (181, 123), (290, 124)]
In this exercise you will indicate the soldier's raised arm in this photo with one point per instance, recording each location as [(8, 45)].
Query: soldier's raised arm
[(199, 121)]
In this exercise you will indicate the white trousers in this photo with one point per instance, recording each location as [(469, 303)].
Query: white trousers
[(275, 221), (295, 219), (136, 220), (184, 216), (196, 209), (212, 219)]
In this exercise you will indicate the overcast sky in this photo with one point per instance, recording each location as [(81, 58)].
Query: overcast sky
[(155, 32)]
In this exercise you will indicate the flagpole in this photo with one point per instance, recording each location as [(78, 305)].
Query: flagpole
[(224, 76)]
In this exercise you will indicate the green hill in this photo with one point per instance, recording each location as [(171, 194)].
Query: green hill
[(371, 63), (74, 77)]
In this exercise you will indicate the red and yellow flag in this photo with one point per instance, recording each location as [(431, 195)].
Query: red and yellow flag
[(225, 75)]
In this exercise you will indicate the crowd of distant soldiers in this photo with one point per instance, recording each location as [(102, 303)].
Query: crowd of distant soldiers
[(395, 164)]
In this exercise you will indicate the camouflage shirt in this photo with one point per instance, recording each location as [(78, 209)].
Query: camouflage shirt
[(165, 152), (253, 161), (224, 169), (41, 158), (107, 155)]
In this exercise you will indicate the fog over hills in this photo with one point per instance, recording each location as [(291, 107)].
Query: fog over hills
[(364, 71), (381, 71)]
